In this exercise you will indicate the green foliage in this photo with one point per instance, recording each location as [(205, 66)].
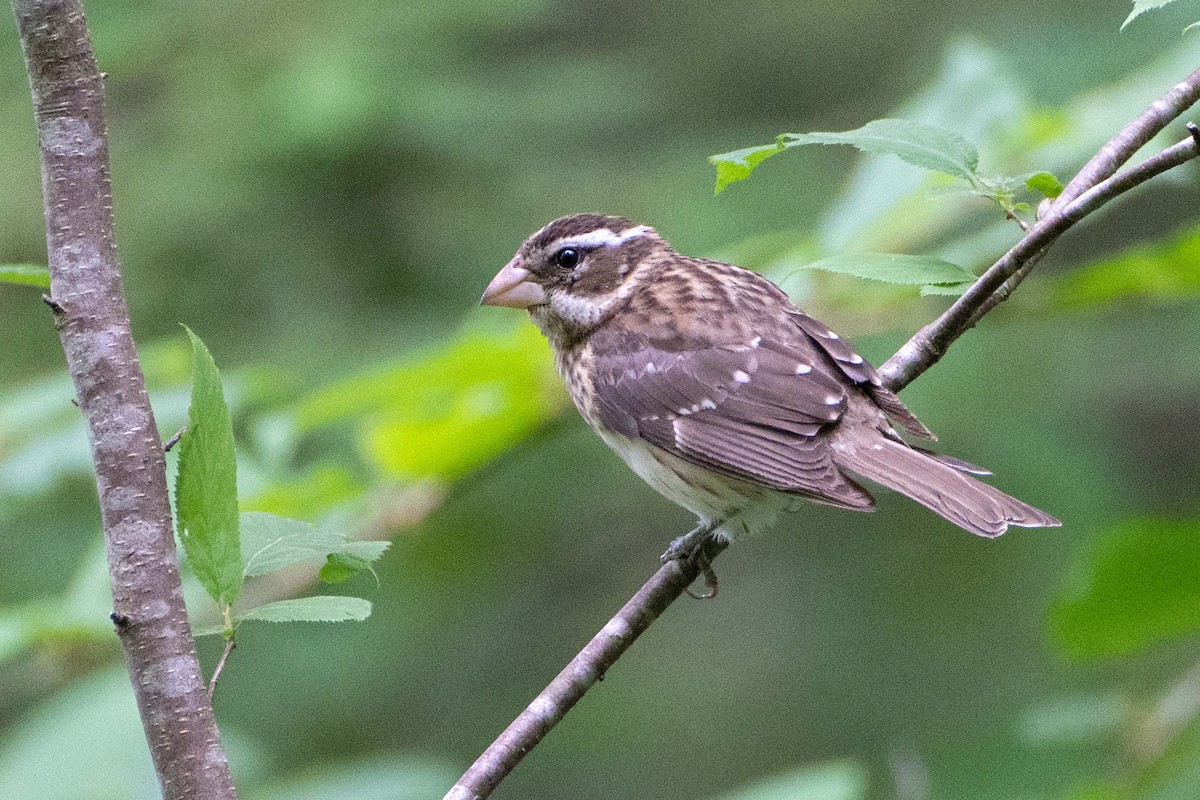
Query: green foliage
[(1140, 586), (1073, 720), (271, 543), (206, 487), (320, 608), (25, 275), (1162, 271), (1141, 7), (341, 567), (445, 413), (927, 146), (1045, 184), (898, 268), (840, 780)]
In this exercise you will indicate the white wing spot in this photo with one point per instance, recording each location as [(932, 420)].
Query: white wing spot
[(855, 358), (803, 369), (756, 341), (683, 412), (707, 405), (651, 369), (832, 399), (740, 377), (831, 335)]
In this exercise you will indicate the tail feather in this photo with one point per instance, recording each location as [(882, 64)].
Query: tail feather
[(941, 487)]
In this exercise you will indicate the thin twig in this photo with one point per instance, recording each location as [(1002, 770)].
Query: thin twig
[(1112, 156), (578, 676), (230, 644), (92, 319), (929, 344), (174, 440), (1092, 188), (1091, 200)]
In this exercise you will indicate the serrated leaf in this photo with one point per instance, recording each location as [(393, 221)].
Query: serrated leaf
[(25, 275), (271, 543), (1045, 184), (898, 268), (927, 146), (322, 608), (206, 487), (737, 165), (1141, 7), (341, 567), (946, 289), (1141, 585)]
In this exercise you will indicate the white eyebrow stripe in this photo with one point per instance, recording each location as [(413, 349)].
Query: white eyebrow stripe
[(602, 238)]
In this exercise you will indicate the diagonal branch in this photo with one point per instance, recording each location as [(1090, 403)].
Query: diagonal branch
[(1094, 186), (93, 324)]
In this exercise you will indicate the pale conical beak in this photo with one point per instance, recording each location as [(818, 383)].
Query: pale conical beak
[(513, 287)]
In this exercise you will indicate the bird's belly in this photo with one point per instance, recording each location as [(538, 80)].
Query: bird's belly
[(705, 493)]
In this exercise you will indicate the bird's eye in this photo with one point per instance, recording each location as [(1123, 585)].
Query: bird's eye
[(567, 258)]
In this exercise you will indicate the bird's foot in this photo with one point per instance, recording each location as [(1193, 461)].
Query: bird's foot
[(689, 548)]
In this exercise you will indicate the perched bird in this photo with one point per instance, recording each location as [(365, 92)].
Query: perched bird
[(721, 394)]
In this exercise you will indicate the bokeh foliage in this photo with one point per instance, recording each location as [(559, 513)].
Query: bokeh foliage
[(322, 190)]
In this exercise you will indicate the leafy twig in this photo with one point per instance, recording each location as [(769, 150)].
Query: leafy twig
[(93, 325), (230, 644), (1090, 189)]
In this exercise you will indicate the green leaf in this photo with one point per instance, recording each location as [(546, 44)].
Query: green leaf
[(1141, 7), (322, 608), (737, 165), (25, 275), (270, 543), (946, 289), (1045, 184), (340, 567), (896, 268), (841, 780), (1139, 587), (444, 414), (206, 488), (928, 146)]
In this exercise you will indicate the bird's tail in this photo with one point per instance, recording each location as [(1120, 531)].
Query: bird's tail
[(941, 487)]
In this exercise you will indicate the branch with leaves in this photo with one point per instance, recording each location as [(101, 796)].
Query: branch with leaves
[(936, 149), (92, 319)]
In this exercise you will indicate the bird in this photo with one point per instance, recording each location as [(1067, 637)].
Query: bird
[(720, 393)]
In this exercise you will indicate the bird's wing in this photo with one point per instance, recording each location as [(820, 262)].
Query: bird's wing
[(752, 411)]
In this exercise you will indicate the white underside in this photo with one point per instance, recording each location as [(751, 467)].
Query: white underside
[(741, 507)]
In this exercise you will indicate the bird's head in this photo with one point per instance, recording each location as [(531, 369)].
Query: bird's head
[(574, 272)]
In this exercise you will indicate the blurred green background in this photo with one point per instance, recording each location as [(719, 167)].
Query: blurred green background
[(321, 190)]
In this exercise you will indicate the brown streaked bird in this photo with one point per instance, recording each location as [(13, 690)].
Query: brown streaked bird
[(721, 394)]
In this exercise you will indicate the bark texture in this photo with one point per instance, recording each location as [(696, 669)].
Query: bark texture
[(93, 323)]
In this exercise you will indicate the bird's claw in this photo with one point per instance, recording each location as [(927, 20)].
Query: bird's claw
[(689, 549)]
